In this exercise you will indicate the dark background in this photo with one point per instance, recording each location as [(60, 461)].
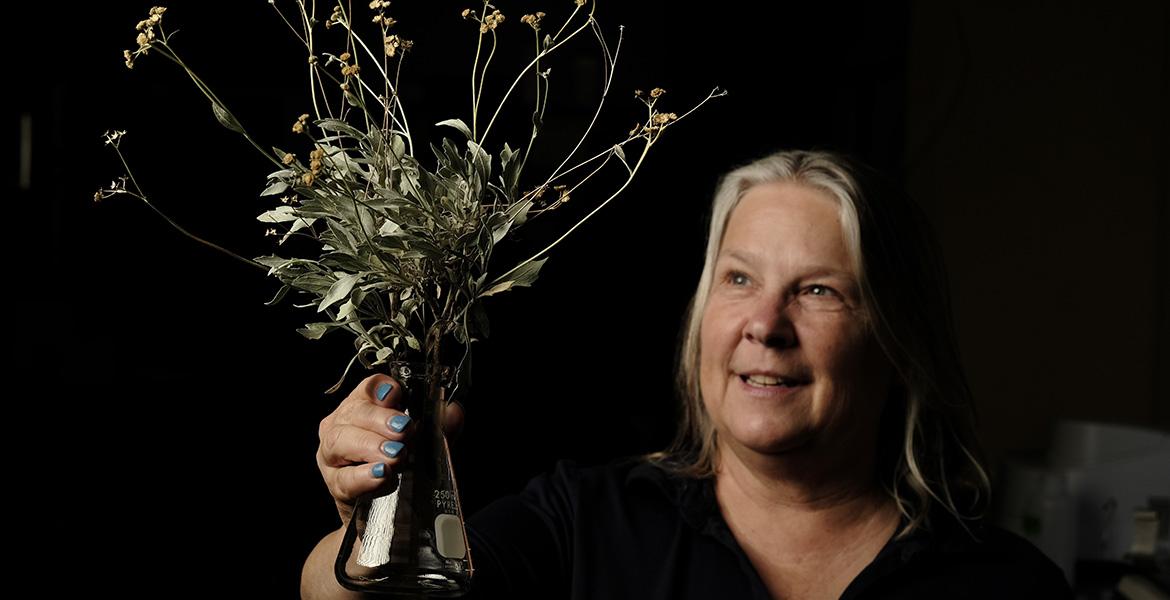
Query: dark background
[(171, 417)]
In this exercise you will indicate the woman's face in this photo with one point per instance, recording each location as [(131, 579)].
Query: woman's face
[(787, 360)]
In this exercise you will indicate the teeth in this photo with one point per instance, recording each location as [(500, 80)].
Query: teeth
[(764, 380)]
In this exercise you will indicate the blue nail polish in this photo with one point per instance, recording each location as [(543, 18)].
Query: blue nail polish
[(398, 422), (383, 390), (378, 470), (392, 449)]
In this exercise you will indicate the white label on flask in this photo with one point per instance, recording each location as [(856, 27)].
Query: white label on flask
[(449, 536)]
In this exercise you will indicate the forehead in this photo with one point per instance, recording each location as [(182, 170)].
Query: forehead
[(790, 222), (772, 208)]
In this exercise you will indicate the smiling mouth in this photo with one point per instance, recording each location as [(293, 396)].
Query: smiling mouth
[(765, 381)]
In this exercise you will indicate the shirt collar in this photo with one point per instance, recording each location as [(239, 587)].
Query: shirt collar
[(695, 499)]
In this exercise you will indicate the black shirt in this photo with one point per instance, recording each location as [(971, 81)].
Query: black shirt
[(632, 530)]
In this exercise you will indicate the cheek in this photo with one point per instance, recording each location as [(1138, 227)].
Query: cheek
[(710, 347), (712, 359), (856, 368)]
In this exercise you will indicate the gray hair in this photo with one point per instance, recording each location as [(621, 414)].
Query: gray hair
[(928, 452)]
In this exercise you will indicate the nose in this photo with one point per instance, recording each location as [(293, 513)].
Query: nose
[(770, 323)]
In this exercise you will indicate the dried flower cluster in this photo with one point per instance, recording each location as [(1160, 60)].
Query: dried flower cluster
[(532, 21), (145, 38), (405, 249)]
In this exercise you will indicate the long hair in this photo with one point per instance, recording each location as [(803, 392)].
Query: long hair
[(928, 453)]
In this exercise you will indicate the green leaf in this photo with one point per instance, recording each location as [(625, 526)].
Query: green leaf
[(341, 161), (351, 305), (511, 165), (428, 249), (412, 342), (345, 310), (366, 218), (498, 288), (272, 261), (279, 295), (518, 211), (500, 230), (280, 214), (526, 275), (397, 147), (225, 118), (315, 283), (390, 229), (297, 226), (339, 290), (481, 159), (521, 277), (337, 385), (621, 153), (344, 262), (339, 126), (342, 236), (314, 331), (278, 187), (457, 124)]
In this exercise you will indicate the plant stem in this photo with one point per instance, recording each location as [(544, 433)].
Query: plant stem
[(641, 158)]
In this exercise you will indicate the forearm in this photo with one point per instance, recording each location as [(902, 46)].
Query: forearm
[(317, 579)]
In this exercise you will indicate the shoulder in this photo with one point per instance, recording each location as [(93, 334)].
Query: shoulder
[(621, 482), (981, 560)]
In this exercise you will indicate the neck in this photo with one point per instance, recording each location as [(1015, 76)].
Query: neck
[(806, 498)]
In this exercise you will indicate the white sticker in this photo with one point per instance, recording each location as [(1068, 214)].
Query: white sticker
[(449, 536)]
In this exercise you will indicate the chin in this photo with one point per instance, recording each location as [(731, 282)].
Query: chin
[(770, 439)]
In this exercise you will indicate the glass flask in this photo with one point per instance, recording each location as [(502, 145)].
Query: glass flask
[(412, 541)]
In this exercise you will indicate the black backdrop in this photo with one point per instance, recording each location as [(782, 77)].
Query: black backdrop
[(174, 416)]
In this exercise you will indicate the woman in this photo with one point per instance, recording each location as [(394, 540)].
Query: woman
[(827, 448)]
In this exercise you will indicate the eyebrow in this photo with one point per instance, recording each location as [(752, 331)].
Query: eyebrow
[(752, 258)]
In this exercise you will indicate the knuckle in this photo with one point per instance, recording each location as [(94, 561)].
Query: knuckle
[(325, 425), (330, 442)]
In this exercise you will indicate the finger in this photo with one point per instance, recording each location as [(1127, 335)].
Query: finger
[(344, 445), (383, 390), (353, 482), (350, 478), (376, 407)]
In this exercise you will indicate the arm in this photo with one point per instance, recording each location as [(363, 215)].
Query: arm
[(317, 579)]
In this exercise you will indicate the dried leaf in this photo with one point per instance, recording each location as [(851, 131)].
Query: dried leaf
[(339, 290), (225, 118), (457, 124)]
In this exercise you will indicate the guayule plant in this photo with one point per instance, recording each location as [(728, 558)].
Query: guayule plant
[(406, 246)]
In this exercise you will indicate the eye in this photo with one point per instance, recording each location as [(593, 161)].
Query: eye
[(820, 290), (736, 278)]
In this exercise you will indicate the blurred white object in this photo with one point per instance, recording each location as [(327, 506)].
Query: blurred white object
[(1080, 503), (1110, 470), (1136, 587)]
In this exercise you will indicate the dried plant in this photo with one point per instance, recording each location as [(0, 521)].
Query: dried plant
[(405, 250)]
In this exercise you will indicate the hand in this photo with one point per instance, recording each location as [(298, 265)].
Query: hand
[(366, 431)]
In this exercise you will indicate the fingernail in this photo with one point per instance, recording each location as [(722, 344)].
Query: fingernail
[(398, 422), (392, 449), (378, 470), (382, 390)]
